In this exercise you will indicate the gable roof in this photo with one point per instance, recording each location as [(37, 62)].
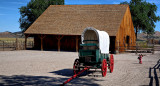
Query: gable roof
[(73, 19)]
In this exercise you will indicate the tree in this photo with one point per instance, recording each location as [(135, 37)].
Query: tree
[(33, 10), (143, 15)]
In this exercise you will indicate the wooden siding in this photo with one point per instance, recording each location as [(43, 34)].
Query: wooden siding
[(126, 29)]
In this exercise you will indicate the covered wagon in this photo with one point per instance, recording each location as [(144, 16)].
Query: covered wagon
[(94, 52)]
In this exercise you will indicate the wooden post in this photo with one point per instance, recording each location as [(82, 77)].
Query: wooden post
[(25, 42), (41, 43), (32, 44), (153, 47), (13, 45), (136, 48), (77, 43), (16, 44), (118, 46), (42, 37), (3, 45), (59, 42)]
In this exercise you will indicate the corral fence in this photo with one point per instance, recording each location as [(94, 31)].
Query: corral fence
[(140, 48), (15, 45)]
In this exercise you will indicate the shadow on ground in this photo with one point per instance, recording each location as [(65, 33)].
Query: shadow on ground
[(63, 72), (69, 73), (22, 80), (153, 74)]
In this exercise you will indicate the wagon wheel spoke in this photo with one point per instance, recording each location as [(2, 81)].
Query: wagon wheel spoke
[(104, 67), (76, 68), (111, 63)]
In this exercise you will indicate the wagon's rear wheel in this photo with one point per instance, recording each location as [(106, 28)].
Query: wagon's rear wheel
[(111, 63), (104, 67), (76, 66)]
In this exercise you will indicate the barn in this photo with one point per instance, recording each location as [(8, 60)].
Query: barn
[(60, 26)]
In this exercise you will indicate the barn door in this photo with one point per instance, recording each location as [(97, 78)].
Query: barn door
[(127, 41)]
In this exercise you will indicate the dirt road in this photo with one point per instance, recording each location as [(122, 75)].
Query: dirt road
[(50, 68)]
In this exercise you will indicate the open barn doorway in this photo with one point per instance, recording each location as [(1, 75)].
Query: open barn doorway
[(127, 40), (112, 44)]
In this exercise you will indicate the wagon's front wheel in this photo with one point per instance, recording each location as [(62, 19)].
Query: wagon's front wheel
[(104, 67), (111, 63), (76, 66)]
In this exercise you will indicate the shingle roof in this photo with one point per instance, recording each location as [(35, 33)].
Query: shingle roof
[(73, 19)]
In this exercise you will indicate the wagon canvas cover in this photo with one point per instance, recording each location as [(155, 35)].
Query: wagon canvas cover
[(101, 36)]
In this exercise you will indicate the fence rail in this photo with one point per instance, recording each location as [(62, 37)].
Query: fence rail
[(150, 48), (15, 45)]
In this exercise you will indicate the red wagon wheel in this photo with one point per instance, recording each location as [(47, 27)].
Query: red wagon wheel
[(76, 66), (111, 63), (104, 67)]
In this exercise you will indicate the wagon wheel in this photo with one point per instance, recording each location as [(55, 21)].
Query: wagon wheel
[(104, 67), (76, 66), (111, 63)]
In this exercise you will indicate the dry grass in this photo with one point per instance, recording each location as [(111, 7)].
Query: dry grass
[(14, 39)]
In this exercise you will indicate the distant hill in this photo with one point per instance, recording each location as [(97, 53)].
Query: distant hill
[(18, 34), (8, 34), (143, 36)]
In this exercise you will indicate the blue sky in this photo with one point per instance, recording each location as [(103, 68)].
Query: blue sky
[(9, 12)]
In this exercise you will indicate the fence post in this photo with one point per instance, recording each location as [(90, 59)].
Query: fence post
[(136, 48), (13, 45), (153, 49), (16, 45), (25, 44), (118, 46), (3, 45)]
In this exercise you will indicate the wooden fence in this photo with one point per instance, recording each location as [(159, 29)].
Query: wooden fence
[(138, 48), (15, 45)]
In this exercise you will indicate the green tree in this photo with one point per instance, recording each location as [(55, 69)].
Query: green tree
[(33, 10), (143, 15)]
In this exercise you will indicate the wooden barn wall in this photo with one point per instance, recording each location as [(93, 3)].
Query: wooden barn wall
[(126, 30), (50, 42)]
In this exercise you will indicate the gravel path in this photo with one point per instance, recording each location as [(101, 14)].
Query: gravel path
[(50, 68)]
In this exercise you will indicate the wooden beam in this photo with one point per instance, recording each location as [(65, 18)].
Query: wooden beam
[(59, 41), (25, 45), (77, 43), (42, 37), (118, 45), (41, 44), (17, 47)]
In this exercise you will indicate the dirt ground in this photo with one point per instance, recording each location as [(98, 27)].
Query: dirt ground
[(50, 68)]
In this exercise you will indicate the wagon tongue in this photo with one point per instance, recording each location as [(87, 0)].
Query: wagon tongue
[(74, 76)]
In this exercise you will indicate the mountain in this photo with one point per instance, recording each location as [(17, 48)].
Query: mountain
[(143, 36), (8, 34), (157, 33)]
